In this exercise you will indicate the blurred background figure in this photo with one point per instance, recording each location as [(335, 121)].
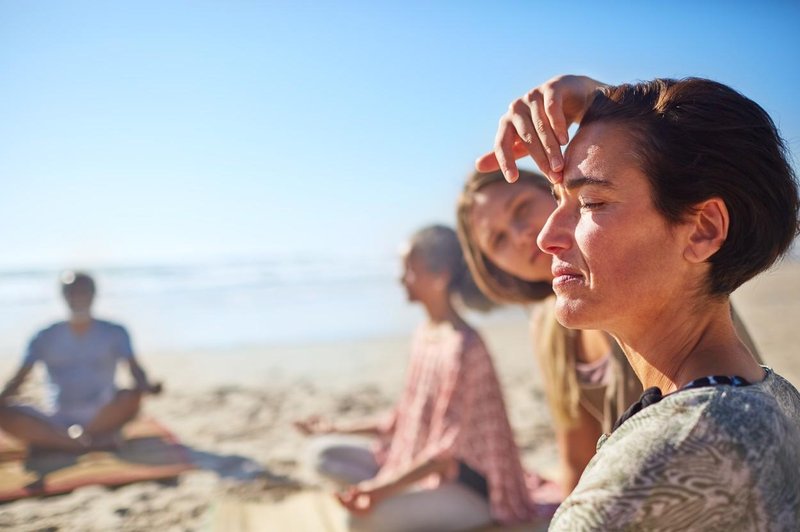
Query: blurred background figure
[(446, 457), (80, 355)]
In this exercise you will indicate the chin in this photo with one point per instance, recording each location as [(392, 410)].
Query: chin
[(575, 314)]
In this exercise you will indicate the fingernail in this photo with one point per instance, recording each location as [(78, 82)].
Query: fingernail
[(563, 139), (556, 163)]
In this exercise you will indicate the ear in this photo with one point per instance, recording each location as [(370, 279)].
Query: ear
[(442, 281), (708, 230)]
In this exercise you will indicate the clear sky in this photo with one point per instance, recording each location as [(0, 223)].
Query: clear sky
[(139, 132)]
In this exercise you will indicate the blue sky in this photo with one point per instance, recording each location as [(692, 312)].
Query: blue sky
[(140, 132)]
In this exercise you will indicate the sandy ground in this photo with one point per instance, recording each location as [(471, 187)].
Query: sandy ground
[(234, 409)]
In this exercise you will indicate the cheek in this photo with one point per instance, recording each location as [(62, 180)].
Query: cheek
[(506, 260), (538, 219), (612, 252), (635, 258)]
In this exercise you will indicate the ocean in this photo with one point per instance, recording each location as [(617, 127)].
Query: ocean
[(224, 304), (228, 304)]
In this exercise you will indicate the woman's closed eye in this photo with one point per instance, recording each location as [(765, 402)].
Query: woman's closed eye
[(522, 209), (499, 240), (591, 205)]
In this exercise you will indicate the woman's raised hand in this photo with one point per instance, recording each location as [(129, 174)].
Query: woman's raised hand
[(537, 125), (314, 425)]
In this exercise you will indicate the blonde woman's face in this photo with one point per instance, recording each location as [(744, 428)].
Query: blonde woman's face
[(506, 219)]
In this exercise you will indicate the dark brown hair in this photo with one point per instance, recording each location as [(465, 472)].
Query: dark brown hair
[(697, 139), (499, 285), (71, 281)]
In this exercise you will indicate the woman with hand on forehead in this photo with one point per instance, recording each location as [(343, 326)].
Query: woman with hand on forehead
[(671, 195), (587, 379)]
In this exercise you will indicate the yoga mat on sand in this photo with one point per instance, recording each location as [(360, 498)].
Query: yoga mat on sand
[(306, 511), (148, 452)]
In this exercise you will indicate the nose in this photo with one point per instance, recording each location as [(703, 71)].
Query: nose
[(557, 234)]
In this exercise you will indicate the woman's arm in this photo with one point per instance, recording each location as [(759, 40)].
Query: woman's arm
[(363, 497), (537, 124), (451, 413), (315, 425), (576, 447)]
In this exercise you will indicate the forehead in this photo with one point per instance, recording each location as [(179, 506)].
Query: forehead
[(603, 151), (493, 196), (492, 201), (79, 286), (488, 204)]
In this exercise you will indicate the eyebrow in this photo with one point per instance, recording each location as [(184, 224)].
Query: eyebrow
[(587, 180)]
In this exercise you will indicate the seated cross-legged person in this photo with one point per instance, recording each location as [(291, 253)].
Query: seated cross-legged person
[(446, 459), (81, 357)]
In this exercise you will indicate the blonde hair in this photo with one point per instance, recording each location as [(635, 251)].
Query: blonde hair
[(556, 348), (499, 285), (556, 345)]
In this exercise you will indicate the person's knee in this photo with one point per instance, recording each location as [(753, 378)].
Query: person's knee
[(318, 454), (130, 398), (323, 463), (11, 416), (9, 413)]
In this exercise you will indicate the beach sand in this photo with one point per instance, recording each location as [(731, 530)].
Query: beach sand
[(234, 409)]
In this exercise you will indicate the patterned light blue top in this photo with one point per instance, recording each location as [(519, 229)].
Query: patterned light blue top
[(712, 458), (81, 367)]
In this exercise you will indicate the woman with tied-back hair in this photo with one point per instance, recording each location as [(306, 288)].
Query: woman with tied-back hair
[(670, 196), (446, 458), (587, 380)]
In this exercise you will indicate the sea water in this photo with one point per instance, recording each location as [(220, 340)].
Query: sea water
[(224, 304)]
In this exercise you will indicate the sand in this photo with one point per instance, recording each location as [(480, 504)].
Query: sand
[(234, 410)]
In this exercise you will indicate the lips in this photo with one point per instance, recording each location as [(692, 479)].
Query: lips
[(564, 275)]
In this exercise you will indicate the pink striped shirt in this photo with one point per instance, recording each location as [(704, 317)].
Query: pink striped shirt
[(452, 406)]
